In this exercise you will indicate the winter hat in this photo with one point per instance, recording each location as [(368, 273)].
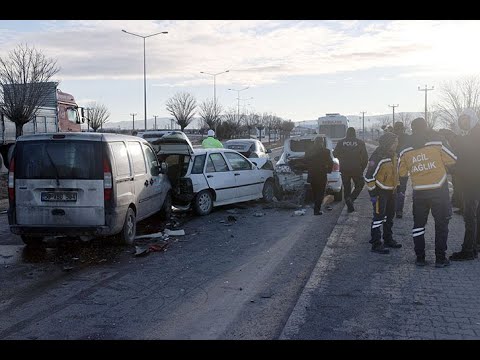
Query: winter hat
[(386, 140), (211, 133), (469, 116), (398, 128)]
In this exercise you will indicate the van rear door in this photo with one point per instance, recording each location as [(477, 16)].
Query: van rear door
[(59, 182)]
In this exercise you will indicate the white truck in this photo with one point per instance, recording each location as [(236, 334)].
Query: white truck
[(58, 113)]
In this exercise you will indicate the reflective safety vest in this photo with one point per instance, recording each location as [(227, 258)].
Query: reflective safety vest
[(381, 172), (426, 165), (211, 142)]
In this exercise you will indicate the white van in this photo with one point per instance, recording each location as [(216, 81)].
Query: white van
[(84, 184)]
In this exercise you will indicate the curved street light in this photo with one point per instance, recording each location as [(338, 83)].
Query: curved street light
[(238, 98), (144, 68)]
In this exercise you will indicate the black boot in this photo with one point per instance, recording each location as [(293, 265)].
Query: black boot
[(420, 261), (441, 261), (462, 256), (379, 248), (349, 204)]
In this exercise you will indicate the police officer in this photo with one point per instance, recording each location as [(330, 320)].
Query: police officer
[(468, 174), (426, 160), (353, 157), (382, 181)]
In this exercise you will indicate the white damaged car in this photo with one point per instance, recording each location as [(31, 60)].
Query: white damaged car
[(205, 178)]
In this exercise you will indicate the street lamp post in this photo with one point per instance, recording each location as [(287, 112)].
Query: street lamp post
[(133, 120), (155, 116), (144, 69), (238, 98), (426, 90), (393, 120), (215, 92), (363, 124)]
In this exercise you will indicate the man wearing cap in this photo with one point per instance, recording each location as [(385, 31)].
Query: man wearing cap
[(426, 160), (382, 180), (468, 173), (210, 141)]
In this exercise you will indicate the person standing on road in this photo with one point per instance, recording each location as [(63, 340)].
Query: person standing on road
[(353, 157), (319, 163), (399, 130), (382, 181), (468, 173), (210, 141), (427, 159)]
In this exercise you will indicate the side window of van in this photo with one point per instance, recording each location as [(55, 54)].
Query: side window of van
[(119, 151), (152, 161), (138, 160)]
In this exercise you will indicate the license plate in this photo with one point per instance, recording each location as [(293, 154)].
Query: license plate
[(59, 196)]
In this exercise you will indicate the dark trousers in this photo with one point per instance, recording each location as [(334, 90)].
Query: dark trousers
[(471, 216), (439, 203), (347, 185), (383, 212), (457, 196), (318, 191), (400, 200)]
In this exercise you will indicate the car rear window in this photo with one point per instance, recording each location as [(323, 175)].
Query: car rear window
[(302, 145), (67, 159)]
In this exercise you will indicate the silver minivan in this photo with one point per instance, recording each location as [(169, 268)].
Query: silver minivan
[(84, 184)]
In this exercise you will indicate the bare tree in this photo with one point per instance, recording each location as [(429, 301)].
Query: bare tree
[(210, 113), (433, 118), (287, 126), (98, 115), (250, 121), (25, 84), (384, 121), (182, 107), (456, 97)]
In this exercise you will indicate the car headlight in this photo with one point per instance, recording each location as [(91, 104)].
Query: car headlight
[(283, 169)]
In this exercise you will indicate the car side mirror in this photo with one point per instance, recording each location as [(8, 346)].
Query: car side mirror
[(269, 151), (164, 168), (276, 158)]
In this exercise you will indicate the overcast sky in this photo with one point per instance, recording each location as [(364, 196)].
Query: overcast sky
[(296, 69)]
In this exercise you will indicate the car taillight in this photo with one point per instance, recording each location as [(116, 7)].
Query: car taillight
[(336, 167), (107, 180), (11, 180)]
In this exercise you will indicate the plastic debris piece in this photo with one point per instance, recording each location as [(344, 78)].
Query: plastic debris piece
[(258, 214), (169, 232), (231, 218), (67, 268), (141, 251), (156, 247), (232, 211), (149, 236), (299, 212)]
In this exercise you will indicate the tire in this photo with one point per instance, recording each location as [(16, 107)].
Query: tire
[(32, 241), (338, 196), (268, 191), (203, 203), (166, 210), (127, 235)]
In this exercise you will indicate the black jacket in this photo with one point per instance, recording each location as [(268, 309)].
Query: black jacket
[(467, 169), (319, 163), (352, 154)]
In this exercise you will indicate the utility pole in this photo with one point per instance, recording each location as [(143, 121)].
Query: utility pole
[(171, 124), (393, 106), (155, 116), (426, 90), (363, 124), (133, 116)]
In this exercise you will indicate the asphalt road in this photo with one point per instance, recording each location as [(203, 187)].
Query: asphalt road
[(237, 279)]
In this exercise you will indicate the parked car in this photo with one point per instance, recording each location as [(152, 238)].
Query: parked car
[(291, 172), (250, 148), (205, 178), (84, 184)]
